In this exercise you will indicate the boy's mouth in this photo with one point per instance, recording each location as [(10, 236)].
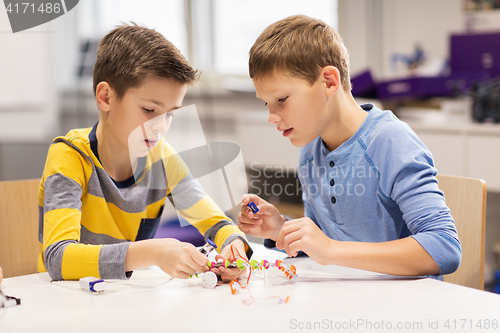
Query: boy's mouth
[(150, 143), (287, 132)]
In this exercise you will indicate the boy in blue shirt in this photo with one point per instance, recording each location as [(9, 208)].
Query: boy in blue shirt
[(369, 184)]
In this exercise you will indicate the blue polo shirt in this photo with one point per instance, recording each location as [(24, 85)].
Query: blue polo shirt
[(379, 185)]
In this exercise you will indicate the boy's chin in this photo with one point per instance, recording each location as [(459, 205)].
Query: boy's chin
[(140, 152), (299, 143)]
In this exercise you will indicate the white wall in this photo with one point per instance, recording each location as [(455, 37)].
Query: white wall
[(28, 99), (374, 30)]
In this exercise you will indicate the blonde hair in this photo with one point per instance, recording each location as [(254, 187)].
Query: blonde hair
[(301, 46)]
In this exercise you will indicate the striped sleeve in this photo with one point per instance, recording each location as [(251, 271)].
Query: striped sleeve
[(196, 207), (64, 258)]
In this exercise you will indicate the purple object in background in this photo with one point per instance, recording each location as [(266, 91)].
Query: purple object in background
[(475, 54), (363, 85), (173, 229), (473, 58), (414, 87), (425, 87)]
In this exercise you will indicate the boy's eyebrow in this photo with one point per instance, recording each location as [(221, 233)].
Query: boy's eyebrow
[(153, 101), (161, 104)]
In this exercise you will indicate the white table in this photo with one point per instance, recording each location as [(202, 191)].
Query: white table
[(333, 298)]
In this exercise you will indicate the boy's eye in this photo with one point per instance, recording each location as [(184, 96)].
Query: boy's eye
[(148, 110), (281, 100)]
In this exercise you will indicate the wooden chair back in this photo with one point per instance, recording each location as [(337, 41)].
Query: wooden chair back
[(19, 246), (466, 198)]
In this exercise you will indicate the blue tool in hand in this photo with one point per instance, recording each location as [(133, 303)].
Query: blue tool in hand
[(253, 207)]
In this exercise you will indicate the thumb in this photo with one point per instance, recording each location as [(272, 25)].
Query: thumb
[(266, 209), (247, 198)]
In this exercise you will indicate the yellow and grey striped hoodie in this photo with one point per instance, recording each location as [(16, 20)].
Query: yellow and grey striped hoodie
[(87, 220)]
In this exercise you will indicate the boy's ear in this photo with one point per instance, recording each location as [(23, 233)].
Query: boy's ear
[(331, 77), (102, 94)]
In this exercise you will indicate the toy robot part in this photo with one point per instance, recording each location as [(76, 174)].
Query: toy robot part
[(253, 207), (208, 247), (235, 287), (290, 271), (209, 280)]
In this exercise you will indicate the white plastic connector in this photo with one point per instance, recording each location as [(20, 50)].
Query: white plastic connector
[(6, 303), (209, 280), (93, 284)]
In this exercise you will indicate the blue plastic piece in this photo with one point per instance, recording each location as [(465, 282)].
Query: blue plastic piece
[(209, 241), (253, 207), (208, 247), (91, 284)]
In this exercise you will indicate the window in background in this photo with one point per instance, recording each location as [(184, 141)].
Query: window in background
[(238, 23), (214, 35), (98, 17)]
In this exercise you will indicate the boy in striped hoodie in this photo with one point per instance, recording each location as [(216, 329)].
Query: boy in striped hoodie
[(104, 188)]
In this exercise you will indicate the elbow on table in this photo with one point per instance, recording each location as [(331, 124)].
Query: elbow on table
[(452, 261), (52, 258), (52, 269)]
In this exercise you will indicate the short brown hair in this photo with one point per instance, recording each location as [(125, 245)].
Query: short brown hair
[(130, 53), (301, 46)]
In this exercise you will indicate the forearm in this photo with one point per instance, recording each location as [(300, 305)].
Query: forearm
[(139, 255), (399, 257)]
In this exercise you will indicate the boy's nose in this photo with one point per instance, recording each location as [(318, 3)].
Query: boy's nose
[(159, 124), (273, 118)]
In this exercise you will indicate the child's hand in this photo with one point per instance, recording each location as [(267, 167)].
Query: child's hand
[(304, 235), (178, 259), (238, 249), (266, 223)]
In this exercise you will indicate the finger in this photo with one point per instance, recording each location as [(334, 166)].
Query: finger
[(253, 230), (247, 220), (295, 247), (265, 209), (231, 272), (197, 257), (291, 238), (247, 198), (291, 225), (285, 229), (182, 275), (255, 224), (288, 228), (192, 267), (245, 210)]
